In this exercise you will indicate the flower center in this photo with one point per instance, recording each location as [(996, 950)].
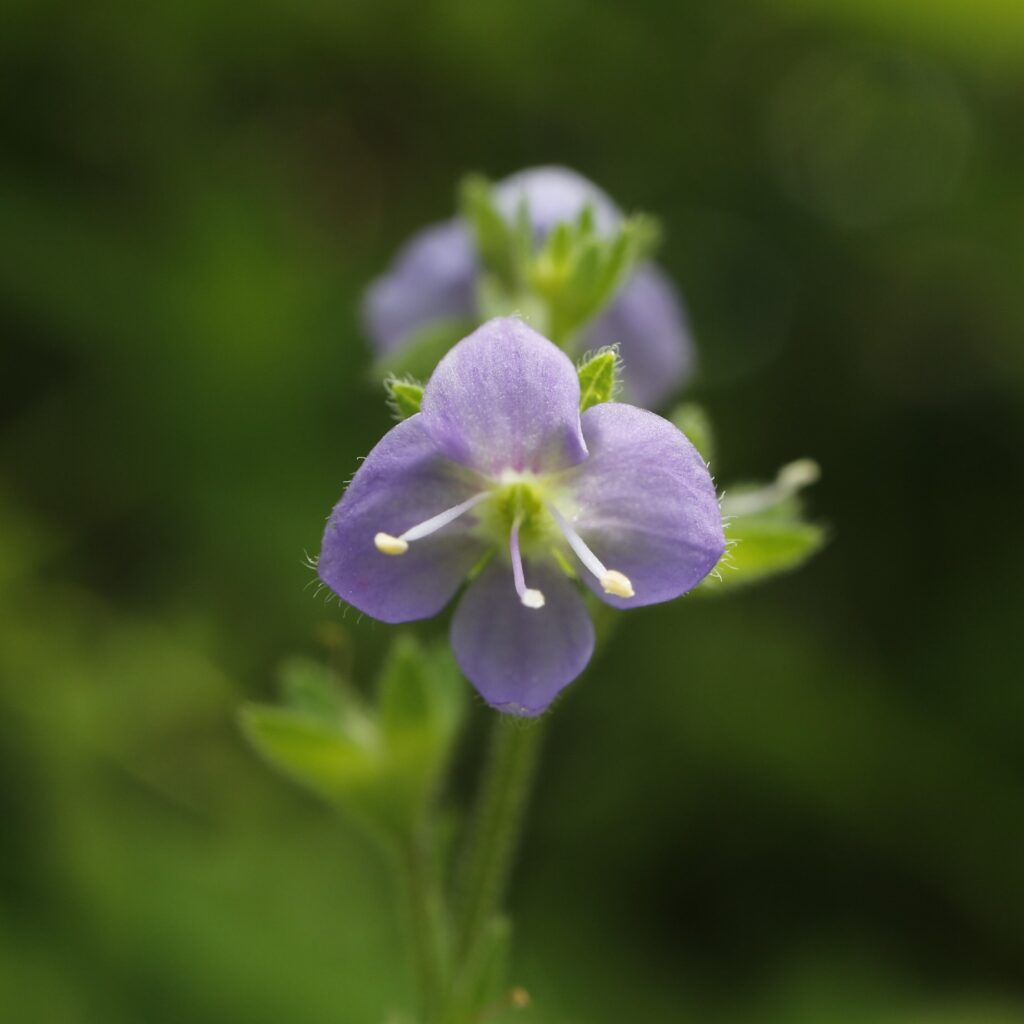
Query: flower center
[(517, 508)]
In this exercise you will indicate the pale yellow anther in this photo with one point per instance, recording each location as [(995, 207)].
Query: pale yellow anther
[(617, 584), (532, 598), (388, 545)]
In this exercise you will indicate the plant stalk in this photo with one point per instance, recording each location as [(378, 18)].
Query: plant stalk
[(427, 924), (501, 806)]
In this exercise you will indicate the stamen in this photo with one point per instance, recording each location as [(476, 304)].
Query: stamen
[(388, 545), (618, 584), (611, 580), (531, 598)]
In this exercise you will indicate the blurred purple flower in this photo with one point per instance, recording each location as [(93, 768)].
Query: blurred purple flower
[(500, 468), (433, 277)]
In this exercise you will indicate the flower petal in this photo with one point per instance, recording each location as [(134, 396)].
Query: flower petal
[(402, 482), (505, 398), (647, 321), (645, 503), (554, 194), (432, 277), (520, 658)]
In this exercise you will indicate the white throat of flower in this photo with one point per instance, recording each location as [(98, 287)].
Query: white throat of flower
[(612, 581)]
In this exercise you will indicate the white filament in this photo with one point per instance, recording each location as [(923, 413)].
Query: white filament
[(434, 523), (612, 581), (530, 598), (388, 545)]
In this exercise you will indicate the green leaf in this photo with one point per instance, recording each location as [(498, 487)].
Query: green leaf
[(560, 285), (760, 547), (310, 751), (314, 691), (777, 500), (578, 273), (765, 528), (636, 240), (419, 688), (587, 222), (380, 764), (598, 373), (589, 272), (404, 396), (494, 299), (421, 701), (693, 421), (311, 689), (403, 691), (498, 242)]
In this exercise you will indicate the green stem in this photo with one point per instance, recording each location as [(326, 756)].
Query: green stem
[(500, 809), (426, 922)]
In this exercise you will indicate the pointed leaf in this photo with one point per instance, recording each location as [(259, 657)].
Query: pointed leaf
[(420, 692), (309, 751), (311, 689), (403, 689), (761, 547), (497, 241)]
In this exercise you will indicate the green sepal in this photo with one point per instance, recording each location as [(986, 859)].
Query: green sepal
[(598, 373), (404, 396), (693, 421)]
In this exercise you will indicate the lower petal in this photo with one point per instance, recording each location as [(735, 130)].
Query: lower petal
[(402, 482), (520, 658)]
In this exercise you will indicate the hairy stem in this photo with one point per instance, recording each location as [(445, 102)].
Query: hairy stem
[(427, 924), (504, 794)]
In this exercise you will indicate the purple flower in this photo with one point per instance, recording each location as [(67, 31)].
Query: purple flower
[(434, 277), (500, 477)]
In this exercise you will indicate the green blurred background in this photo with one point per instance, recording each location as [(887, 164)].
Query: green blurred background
[(802, 804)]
